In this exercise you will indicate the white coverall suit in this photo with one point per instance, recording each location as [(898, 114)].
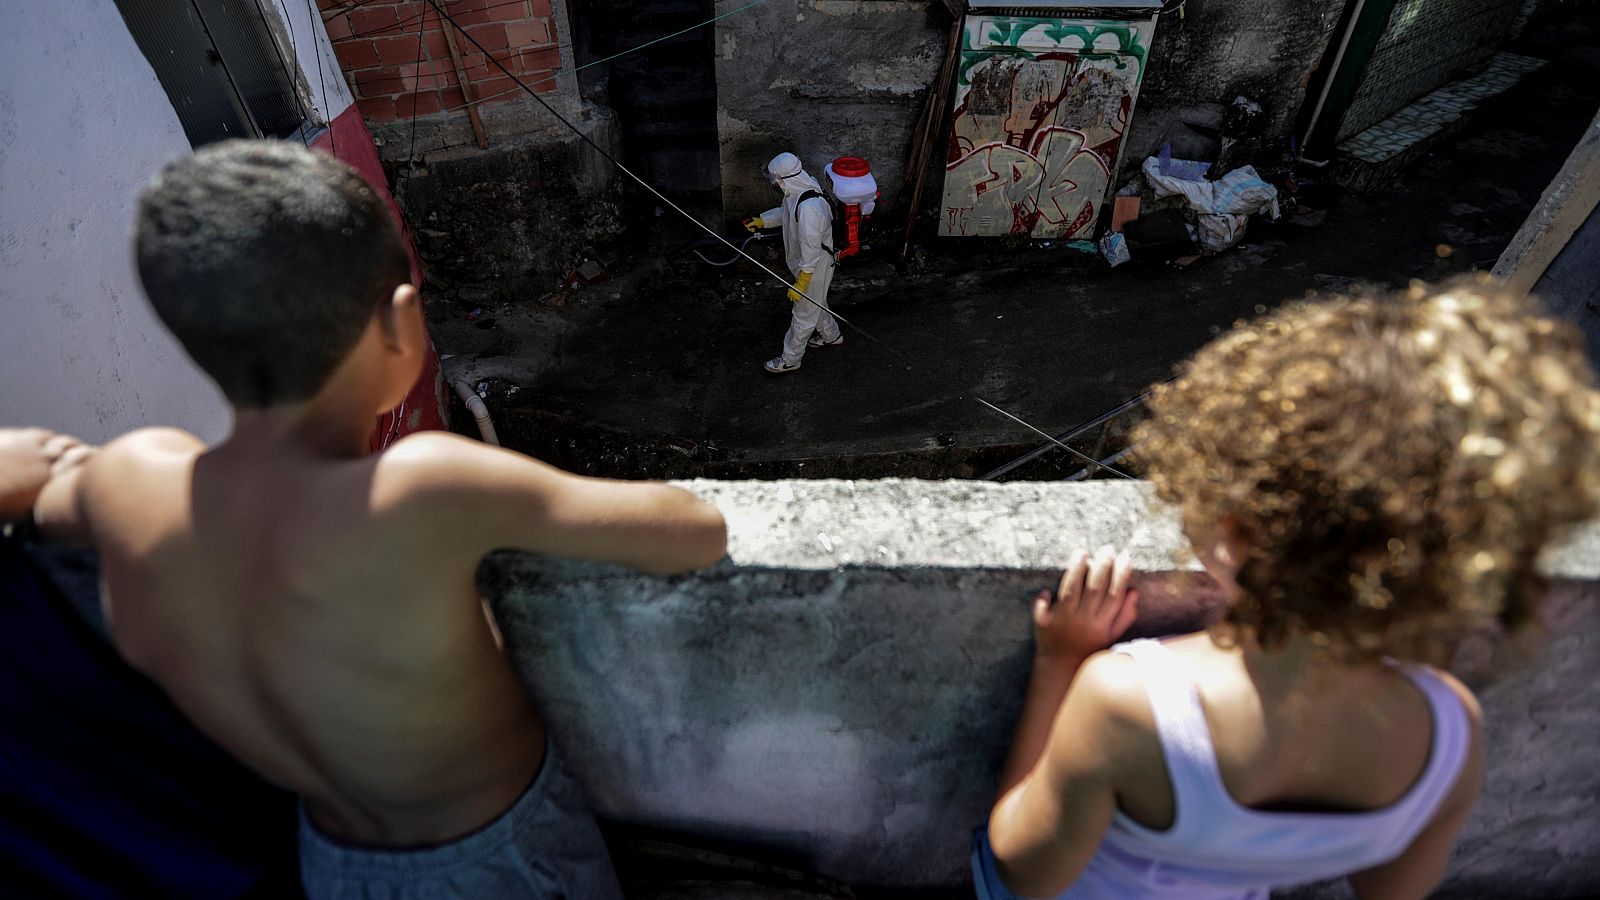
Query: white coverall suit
[(803, 240)]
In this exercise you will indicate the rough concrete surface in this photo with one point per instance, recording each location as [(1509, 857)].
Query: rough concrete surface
[(838, 694), (822, 79), (528, 205), (1263, 50)]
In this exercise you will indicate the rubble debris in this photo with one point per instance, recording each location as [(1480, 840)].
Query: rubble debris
[(1222, 207), (1160, 234), (589, 272), (1309, 218), (553, 299)]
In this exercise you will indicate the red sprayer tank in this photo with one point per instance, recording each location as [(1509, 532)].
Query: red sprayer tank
[(857, 191)]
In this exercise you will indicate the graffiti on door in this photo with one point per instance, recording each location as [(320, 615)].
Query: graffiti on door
[(1040, 110)]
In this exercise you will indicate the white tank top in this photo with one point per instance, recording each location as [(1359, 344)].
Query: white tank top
[(1217, 849)]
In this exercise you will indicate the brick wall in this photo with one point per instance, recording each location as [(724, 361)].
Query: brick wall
[(397, 61)]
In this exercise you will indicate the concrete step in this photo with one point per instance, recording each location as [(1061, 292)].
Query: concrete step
[(1374, 157)]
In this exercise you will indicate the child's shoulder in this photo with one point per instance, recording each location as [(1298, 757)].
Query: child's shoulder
[(441, 473), (1108, 689), (140, 452), (144, 443), (435, 459)]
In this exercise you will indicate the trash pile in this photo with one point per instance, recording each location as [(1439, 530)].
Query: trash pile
[(1213, 214)]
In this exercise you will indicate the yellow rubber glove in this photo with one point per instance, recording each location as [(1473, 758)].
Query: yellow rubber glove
[(801, 282), (754, 224)]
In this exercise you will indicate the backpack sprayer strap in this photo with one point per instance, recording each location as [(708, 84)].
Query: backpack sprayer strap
[(817, 195)]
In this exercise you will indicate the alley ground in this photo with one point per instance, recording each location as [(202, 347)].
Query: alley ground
[(657, 371)]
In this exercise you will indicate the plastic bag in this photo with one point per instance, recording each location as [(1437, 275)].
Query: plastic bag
[(1221, 207)]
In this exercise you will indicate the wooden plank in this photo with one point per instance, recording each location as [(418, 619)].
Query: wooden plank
[(467, 90), (927, 135), (1572, 195)]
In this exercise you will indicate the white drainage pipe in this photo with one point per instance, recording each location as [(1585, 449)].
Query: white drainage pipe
[(480, 412)]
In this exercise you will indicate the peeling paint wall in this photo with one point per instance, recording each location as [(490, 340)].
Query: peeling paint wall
[(83, 124)]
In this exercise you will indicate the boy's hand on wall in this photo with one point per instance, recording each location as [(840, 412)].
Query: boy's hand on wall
[(29, 458), (1092, 608)]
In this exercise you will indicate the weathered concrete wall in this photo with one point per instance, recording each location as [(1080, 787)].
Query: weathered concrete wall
[(1263, 50), (822, 79), (536, 199), (83, 124), (516, 216), (839, 692), (826, 77)]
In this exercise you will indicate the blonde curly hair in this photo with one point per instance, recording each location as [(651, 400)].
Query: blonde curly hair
[(1394, 463)]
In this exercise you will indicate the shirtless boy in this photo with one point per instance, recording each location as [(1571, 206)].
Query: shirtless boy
[(312, 608)]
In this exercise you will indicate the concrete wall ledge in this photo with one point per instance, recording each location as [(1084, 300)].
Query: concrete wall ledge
[(839, 692)]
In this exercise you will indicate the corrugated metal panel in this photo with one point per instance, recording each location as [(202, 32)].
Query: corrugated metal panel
[(252, 59), (218, 64), (173, 38)]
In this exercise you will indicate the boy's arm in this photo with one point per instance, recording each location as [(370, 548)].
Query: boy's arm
[(496, 498), (1417, 871), (1057, 795)]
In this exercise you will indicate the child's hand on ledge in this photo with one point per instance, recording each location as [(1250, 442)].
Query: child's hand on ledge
[(1092, 608), (29, 458)]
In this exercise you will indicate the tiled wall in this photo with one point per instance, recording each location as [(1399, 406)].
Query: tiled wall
[(1426, 43), (395, 72)]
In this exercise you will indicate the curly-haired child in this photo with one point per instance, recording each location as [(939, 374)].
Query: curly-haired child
[(1366, 478)]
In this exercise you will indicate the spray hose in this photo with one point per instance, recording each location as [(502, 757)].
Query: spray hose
[(732, 259)]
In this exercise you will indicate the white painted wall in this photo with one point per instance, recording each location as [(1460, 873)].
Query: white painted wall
[(83, 124), (330, 95)]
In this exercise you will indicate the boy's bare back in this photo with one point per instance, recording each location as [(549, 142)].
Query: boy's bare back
[(317, 616)]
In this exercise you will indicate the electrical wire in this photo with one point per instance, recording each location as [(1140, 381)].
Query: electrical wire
[(327, 111), (401, 24), (525, 86), (347, 10), (775, 276), (288, 74), (411, 152)]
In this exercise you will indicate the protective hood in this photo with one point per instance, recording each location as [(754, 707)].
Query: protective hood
[(791, 177)]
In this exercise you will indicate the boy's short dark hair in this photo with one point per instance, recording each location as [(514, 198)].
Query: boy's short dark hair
[(266, 260)]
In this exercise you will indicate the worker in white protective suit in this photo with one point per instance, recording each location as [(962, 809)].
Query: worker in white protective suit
[(806, 218)]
